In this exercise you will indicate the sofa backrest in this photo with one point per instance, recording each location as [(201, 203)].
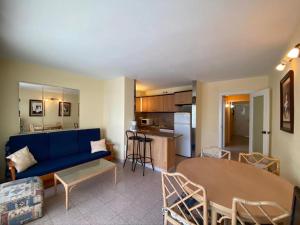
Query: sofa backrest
[(53, 145), (37, 143)]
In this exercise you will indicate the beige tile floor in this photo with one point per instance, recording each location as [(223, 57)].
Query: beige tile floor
[(133, 200)]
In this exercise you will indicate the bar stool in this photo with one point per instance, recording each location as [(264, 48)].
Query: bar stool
[(142, 139), (135, 155)]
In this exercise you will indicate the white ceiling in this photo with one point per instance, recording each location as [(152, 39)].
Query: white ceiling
[(161, 42)]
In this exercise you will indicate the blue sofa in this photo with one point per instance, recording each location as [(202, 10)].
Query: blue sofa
[(55, 150)]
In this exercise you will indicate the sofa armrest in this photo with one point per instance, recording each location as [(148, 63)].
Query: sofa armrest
[(109, 146), (12, 169)]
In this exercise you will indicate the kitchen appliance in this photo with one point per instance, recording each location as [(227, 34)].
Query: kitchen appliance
[(146, 122), (182, 126), (133, 126)]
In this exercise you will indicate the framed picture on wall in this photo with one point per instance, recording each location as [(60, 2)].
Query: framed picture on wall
[(64, 108), (36, 107), (287, 102)]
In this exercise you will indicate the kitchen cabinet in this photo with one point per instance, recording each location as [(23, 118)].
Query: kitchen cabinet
[(155, 104), (183, 98), (163, 103), (145, 104), (169, 103), (138, 104)]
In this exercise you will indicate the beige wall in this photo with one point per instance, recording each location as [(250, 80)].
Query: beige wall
[(118, 103), (208, 105), (166, 90), (12, 72), (106, 104), (284, 145)]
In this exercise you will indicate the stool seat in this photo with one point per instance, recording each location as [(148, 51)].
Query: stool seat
[(145, 139), (133, 138)]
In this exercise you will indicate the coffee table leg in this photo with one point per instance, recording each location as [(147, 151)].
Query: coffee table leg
[(67, 197), (115, 175)]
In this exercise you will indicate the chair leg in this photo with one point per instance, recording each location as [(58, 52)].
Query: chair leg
[(138, 154), (151, 157), (126, 154), (144, 158), (133, 155)]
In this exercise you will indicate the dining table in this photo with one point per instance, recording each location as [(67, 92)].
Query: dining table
[(227, 179)]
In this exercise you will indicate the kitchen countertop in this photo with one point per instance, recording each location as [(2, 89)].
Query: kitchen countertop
[(160, 134)]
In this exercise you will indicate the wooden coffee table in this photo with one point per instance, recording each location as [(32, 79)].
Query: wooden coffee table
[(72, 176)]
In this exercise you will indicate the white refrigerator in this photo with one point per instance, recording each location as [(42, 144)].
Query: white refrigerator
[(182, 126)]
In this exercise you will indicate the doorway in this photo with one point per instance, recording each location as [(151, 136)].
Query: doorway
[(236, 123), (244, 122)]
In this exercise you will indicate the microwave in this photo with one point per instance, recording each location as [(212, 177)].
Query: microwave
[(146, 122)]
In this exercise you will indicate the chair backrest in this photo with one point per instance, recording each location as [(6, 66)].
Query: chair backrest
[(261, 161), (296, 207), (184, 202), (261, 212), (215, 152)]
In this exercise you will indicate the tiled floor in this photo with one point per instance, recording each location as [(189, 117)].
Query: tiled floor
[(133, 200), (238, 144)]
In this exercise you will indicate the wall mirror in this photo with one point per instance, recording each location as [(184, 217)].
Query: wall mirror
[(45, 108)]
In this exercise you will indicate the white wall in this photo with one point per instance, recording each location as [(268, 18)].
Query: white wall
[(208, 94), (284, 145)]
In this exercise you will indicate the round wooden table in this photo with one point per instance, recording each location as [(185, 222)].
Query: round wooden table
[(226, 179)]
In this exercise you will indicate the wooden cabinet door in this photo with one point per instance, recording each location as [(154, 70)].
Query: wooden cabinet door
[(169, 103), (183, 98), (145, 104), (155, 104), (138, 104)]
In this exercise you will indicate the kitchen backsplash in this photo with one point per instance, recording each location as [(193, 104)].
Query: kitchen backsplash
[(163, 120)]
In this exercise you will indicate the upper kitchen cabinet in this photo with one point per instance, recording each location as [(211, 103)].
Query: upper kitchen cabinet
[(169, 103), (155, 104), (138, 104), (183, 98)]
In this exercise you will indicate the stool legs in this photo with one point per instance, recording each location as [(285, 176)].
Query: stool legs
[(151, 160), (126, 153)]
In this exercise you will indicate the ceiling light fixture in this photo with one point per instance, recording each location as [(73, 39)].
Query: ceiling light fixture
[(294, 53), (280, 67)]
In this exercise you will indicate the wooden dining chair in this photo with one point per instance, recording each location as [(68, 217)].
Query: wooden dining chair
[(215, 152), (184, 202), (261, 161), (242, 212)]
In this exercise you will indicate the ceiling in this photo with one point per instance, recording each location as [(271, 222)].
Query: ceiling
[(163, 43)]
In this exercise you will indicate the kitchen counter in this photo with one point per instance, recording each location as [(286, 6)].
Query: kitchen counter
[(163, 147), (160, 133)]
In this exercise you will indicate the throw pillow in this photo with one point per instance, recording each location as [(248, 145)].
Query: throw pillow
[(98, 146), (22, 159)]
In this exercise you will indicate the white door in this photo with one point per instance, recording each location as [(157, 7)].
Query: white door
[(260, 122)]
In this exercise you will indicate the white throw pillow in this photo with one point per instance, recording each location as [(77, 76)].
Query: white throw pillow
[(22, 159), (98, 146)]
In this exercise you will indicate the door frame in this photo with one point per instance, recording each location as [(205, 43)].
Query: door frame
[(222, 113), (266, 122)]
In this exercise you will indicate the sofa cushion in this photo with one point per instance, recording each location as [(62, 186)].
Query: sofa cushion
[(37, 143), (85, 137), (63, 143), (61, 163)]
